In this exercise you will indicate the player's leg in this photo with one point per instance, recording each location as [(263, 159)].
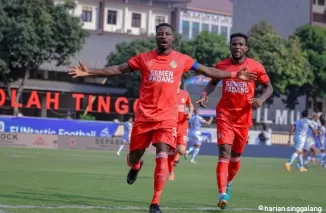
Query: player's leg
[(171, 163), (181, 144), (163, 140), (139, 141), (307, 148), (124, 141), (225, 137), (322, 153), (298, 144), (313, 154), (197, 144), (240, 141)]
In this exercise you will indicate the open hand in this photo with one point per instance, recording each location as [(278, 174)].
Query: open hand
[(78, 71), (243, 74), (203, 98)]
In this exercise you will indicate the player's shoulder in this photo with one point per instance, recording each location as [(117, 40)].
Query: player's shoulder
[(179, 55), (224, 62), (254, 63), (146, 54), (184, 92)]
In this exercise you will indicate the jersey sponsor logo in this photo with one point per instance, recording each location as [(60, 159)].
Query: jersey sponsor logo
[(161, 76), (181, 108), (173, 64), (236, 86)]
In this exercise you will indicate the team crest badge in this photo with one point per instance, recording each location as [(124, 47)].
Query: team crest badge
[(183, 100), (173, 64)]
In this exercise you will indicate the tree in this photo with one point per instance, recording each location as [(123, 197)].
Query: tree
[(207, 48), (284, 60), (313, 40), (124, 51), (33, 32)]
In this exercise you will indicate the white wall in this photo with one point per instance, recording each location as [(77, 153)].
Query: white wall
[(124, 16), (205, 18)]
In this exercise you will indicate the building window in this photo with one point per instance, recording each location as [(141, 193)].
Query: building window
[(159, 20), (321, 2), (112, 17), (86, 15), (136, 20), (205, 27), (185, 29), (214, 29), (224, 31), (195, 29)]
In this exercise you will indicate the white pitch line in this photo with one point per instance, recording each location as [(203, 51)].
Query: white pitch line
[(2, 206)]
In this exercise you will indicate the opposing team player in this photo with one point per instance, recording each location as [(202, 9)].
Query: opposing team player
[(184, 102), (195, 136), (234, 112), (300, 129), (127, 126), (156, 112), (321, 141), (309, 149)]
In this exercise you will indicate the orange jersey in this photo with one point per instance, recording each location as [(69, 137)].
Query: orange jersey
[(161, 75), (235, 104), (183, 102)]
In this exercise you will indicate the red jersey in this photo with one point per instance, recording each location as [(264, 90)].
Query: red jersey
[(235, 104), (161, 75), (183, 101)]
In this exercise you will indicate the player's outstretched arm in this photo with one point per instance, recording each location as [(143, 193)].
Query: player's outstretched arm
[(82, 71), (210, 72)]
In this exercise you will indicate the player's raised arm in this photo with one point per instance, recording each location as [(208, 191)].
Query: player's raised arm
[(211, 72), (83, 71)]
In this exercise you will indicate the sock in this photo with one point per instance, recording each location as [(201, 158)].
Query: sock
[(160, 174), (322, 156), (222, 175), (133, 166), (195, 154), (190, 149), (293, 157), (176, 156), (234, 167), (301, 160), (171, 161), (121, 148)]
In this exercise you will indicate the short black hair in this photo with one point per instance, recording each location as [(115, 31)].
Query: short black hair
[(304, 114), (164, 25), (239, 35)]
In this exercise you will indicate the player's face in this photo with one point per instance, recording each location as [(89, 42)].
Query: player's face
[(164, 38), (238, 48)]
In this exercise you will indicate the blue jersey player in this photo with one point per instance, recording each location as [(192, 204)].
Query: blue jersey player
[(300, 129), (127, 127)]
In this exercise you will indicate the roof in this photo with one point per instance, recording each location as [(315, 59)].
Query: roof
[(223, 7), (94, 52), (61, 86)]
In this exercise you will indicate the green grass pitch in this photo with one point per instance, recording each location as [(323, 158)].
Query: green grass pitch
[(41, 181)]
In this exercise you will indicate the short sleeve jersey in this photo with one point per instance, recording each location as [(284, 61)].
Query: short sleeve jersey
[(160, 76), (235, 104), (183, 100)]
